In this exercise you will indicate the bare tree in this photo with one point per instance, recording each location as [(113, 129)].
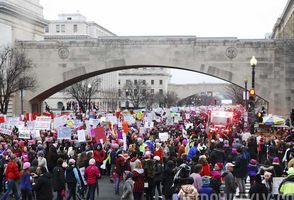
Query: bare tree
[(111, 96), (136, 93), (235, 93), (15, 75), (82, 93), (198, 100), (171, 99)]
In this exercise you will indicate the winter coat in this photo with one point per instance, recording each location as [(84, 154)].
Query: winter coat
[(120, 165), (43, 187), (192, 153), (258, 192), (230, 186), (149, 170), (188, 192), (205, 170), (58, 179), (205, 192), (138, 177), (52, 159), (240, 169), (25, 182), (12, 172), (128, 190), (197, 180), (278, 170), (287, 186), (252, 170), (99, 155), (217, 155), (215, 184), (158, 152), (158, 171), (167, 182), (92, 173)]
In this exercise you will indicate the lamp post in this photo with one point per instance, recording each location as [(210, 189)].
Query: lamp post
[(90, 88), (245, 95), (253, 63)]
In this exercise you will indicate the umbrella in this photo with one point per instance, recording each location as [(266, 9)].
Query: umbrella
[(273, 120)]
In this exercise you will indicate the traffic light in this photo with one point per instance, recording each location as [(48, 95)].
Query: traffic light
[(251, 101), (252, 93), (259, 117)]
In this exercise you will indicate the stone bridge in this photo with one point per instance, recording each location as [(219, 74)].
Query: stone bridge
[(59, 64)]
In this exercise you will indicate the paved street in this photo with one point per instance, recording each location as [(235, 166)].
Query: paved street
[(106, 189)]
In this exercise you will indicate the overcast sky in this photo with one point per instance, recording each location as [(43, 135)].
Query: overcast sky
[(202, 18)]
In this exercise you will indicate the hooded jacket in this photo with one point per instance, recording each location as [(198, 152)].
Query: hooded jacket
[(138, 177), (230, 186), (188, 192), (128, 188)]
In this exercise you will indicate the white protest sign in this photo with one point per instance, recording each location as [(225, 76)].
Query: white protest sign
[(59, 121), (112, 119), (189, 125), (187, 116), (81, 136), (125, 141), (276, 183), (142, 130), (24, 133), (64, 133), (163, 136), (6, 128), (94, 122), (149, 125), (43, 123)]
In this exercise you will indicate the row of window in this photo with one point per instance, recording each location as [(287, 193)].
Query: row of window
[(127, 93), (60, 28), (144, 82)]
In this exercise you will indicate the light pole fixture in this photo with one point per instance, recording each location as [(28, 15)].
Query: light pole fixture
[(245, 95), (253, 63), (89, 87)]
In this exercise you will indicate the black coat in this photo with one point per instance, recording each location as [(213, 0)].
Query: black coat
[(43, 187), (58, 179), (167, 182), (258, 192), (217, 155)]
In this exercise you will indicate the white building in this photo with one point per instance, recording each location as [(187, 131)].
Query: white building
[(156, 78), (75, 26)]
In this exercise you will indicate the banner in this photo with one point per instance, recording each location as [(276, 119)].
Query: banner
[(43, 123), (81, 136), (64, 133), (163, 136), (59, 121), (100, 134)]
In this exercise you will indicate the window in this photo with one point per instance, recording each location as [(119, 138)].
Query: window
[(57, 28), (119, 82), (46, 29), (160, 91), (75, 28), (160, 82), (69, 18), (128, 82), (135, 82), (144, 82), (119, 93), (152, 91), (135, 92), (127, 93), (152, 82), (62, 28), (144, 92)]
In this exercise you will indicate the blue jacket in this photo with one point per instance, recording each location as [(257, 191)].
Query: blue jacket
[(252, 170), (205, 191), (25, 182), (192, 153)]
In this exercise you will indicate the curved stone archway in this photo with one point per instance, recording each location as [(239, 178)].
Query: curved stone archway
[(60, 64)]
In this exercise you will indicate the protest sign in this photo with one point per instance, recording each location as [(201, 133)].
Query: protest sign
[(70, 123), (6, 128), (125, 141), (129, 119), (125, 126), (59, 121), (163, 136), (64, 133), (142, 130), (100, 134), (111, 119), (81, 136), (276, 183), (169, 121), (149, 125), (188, 125), (43, 123), (24, 133), (94, 122), (36, 134)]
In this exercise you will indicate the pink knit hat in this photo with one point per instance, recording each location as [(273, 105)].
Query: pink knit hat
[(276, 160), (26, 165), (92, 161)]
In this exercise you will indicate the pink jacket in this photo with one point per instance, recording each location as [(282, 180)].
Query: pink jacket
[(92, 173)]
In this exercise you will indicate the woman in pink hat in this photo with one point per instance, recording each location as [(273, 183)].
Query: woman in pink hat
[(25, 182)]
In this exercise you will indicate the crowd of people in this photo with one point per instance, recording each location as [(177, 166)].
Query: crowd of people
[(194, 162)]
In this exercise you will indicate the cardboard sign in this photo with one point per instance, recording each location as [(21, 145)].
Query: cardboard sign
[(163, 136), (59, 121), (81, 136), (100, 134), (276, 183), (64, 133), (43, 123)]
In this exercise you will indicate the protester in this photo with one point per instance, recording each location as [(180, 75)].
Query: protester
[(43, 185), (25, 185), (138, 177), (58, 179), (167, 180), (286, 188), (128, 186), (157, 177), (230, 187), (206, 190), (197, 177), (72, 179), (92, 173), (258, 190)]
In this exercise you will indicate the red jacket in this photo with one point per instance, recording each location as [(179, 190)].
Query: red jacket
[(99, 156), (138, 177), (92, 173), (205, 170), (12, 172), (159, 153)]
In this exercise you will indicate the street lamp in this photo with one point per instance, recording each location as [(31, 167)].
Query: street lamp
[(253, 63), (90, 88)]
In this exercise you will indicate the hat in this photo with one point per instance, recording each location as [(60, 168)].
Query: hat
[(148, 154), (26, 165), (276, 160), (229, 165), (220, 165), (71, 161), (234, 151), (157, 158), (64, 164), (253, 161), (205, 180), (290, 171), (216, 174), (184, 142), (92, 161)]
